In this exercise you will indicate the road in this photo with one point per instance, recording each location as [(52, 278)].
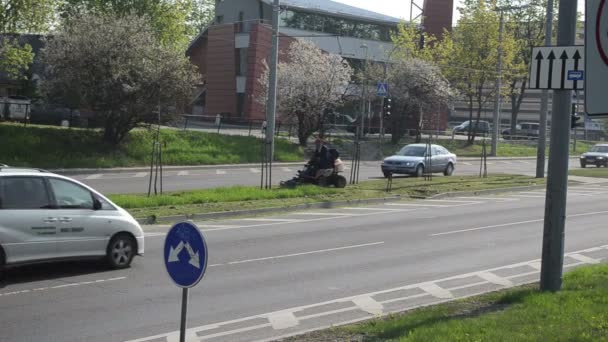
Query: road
[(278, 275), (189, 179)]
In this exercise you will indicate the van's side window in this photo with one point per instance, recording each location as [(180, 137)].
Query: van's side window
[(23, 193), (71, 196)]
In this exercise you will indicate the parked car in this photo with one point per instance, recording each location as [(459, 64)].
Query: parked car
[(598, 156), (506, 133), (481, 127), (47, 217), (414, 159)]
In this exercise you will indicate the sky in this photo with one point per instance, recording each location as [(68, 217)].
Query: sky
[(401, 8)]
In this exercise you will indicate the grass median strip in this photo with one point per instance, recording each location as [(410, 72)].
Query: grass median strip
[(593, 172), (577, 313), (246, 198)]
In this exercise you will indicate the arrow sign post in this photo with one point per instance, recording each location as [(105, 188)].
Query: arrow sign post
[(185, 257), (596, 57), (554, 65)]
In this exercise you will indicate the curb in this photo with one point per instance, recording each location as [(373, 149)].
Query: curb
[(229, 214)]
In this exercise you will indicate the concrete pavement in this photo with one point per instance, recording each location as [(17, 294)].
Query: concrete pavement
[(279, 275), (177, 179)]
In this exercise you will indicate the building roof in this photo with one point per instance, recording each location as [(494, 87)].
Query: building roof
[(337, 9)]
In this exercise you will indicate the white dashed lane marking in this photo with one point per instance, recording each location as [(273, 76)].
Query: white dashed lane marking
[(39, 289)]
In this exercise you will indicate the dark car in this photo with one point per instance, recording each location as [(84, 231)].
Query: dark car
[(479, 127)]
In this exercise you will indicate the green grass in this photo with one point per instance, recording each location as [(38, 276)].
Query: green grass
[(577, 313), (242, 198), (590, 172), (55, 147)]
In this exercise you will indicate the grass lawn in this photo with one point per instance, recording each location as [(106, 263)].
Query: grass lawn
[(56, 147), (590, 172), (243, 198), (577, 313)]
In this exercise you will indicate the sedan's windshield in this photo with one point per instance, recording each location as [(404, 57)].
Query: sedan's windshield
[(412, 151), (601, 149)]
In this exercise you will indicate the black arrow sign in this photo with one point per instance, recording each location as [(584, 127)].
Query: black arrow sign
[(551, 58), (576, 57), (539, 62), (564, 58)]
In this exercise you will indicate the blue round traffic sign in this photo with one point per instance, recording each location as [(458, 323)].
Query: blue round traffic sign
[(185, 254)]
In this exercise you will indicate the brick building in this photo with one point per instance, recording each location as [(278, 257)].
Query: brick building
[(231, 51)]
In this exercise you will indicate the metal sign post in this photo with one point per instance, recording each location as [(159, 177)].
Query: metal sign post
[(185, 257), (596, 57)]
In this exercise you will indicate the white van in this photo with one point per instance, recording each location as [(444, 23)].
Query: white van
[(46, 217)]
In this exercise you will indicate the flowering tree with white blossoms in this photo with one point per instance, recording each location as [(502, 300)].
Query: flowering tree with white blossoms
[(309, 82)]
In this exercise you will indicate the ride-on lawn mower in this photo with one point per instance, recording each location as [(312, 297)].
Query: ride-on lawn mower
[(324, 178)]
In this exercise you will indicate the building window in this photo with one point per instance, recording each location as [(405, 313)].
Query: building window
[(240, 104), (241, 62), (333, 25)]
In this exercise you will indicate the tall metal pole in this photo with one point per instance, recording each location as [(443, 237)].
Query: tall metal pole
[(182, 324), (272, 90), (497, 86), (557, 182), (544, 104)]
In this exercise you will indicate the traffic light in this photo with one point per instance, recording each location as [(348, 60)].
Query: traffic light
[(574, 117), (387, 106)]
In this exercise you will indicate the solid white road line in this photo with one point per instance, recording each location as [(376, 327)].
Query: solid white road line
[(417, 205), (254, 170), (506, 199), (140, 175), (453, 201), (95, 176), (271, 220), (313, 213), (183, 173), (220, 172), (372, 209), (286, 169)]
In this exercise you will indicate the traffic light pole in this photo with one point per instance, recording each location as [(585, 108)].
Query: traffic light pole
[(557, 182)]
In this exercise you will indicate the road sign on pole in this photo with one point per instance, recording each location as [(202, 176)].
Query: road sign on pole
[(596, 57), (382, 89), (185, 257), (557, 67)]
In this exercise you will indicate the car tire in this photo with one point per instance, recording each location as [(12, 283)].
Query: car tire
[(419, 171), (449, 170), (323, 182), (340, 182), (583, 165), (121, 250), (2, 262)]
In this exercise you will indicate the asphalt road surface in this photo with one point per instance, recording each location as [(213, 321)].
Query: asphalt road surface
[(189, 179), (278, 275)]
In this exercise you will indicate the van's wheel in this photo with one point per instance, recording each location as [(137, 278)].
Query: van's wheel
[(323, 182), (120, 251), (583, 165), (449, 170), (2, 262), (340, 182), (419, 171), (387, 174)]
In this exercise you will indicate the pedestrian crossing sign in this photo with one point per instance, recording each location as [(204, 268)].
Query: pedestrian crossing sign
[(382, 89)]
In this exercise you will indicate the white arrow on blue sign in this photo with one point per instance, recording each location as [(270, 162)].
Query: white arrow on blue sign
[(185, 254), (382, 89)]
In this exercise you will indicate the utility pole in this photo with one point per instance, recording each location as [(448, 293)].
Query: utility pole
[(557, 182), (544, 104), (272, 88), (497, 86)]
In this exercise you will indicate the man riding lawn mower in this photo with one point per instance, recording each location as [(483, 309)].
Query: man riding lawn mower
[(323, 169)]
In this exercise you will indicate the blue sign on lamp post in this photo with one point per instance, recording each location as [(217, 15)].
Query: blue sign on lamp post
[(185, 257)]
